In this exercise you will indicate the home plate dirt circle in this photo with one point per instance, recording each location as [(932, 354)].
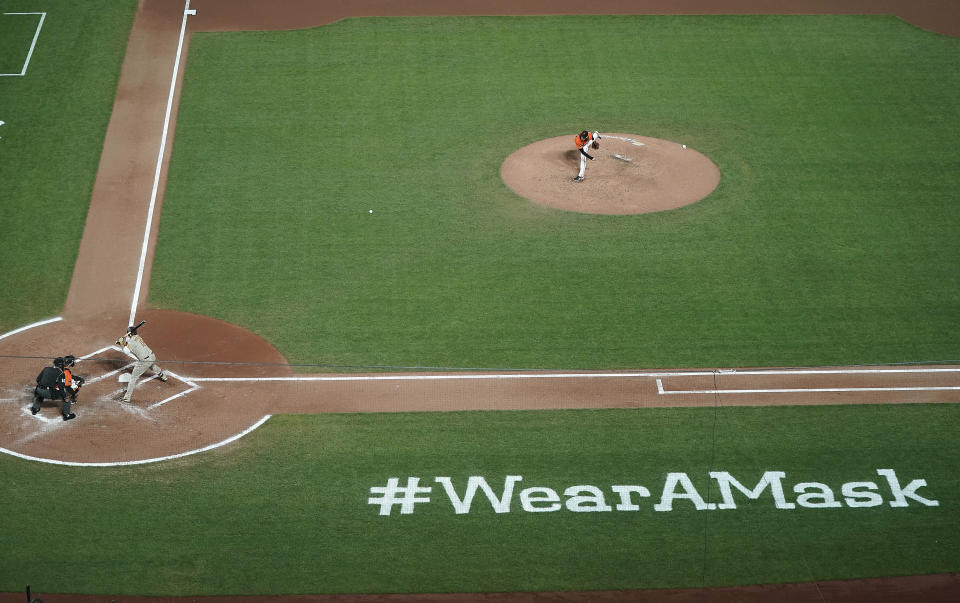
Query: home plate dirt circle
[(164, 419), (631, 175)]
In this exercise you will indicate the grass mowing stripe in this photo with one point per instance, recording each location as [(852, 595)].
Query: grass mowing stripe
[(830, 238), (289, 504)]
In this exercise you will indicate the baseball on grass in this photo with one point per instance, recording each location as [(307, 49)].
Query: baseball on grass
[(371, 211), (683, 146)]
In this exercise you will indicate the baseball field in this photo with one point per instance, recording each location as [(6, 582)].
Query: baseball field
[(335, 192)]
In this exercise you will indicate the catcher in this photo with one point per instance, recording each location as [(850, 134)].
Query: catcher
[(57, 382), (584, 141), (146, 359)]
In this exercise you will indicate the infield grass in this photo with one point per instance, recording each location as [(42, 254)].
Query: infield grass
[(56, 119), (831, 238), (286, 509)]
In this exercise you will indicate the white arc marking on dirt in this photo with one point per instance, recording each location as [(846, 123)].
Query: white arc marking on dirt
[(142, 461)]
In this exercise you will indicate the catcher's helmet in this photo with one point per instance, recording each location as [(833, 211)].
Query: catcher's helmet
[(69, 360)]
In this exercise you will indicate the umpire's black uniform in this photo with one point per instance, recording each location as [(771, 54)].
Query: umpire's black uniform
[(53, 383)]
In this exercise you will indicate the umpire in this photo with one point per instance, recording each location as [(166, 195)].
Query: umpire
[(57, 383)]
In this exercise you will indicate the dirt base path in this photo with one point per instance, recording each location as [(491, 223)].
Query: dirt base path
[(204, 404)]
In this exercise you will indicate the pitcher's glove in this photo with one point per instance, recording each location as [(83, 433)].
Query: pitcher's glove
[(596, 145)]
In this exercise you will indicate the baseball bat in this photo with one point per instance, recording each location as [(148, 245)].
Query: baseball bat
[(139, 324)]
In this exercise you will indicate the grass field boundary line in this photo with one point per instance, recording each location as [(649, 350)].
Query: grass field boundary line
[(219, 444), (31, 326), (156, 176), (33, 44)]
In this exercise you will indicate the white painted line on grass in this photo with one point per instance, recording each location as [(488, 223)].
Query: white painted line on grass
[(156, 176), (802, 390), (143, 461), (837, 371), (30, 326), (32, 44)]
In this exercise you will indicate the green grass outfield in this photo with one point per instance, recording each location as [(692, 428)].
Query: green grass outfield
[(832, 237), (56, 118), (286, 509)]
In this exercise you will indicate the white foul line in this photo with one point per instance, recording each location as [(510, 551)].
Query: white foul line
[(802, 390), (436, 377), (570, 375), (30, 326), (32, 44), (232, 438), (156, 177)]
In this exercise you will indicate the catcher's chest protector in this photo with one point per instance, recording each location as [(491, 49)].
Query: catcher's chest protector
[(48, 377)]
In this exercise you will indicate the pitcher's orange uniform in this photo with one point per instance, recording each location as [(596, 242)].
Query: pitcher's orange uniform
[(583, 141)]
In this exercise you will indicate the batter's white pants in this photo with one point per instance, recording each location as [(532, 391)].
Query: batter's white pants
[(139, 369)]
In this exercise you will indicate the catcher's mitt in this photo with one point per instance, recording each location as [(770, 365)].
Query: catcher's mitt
[(596, 145)]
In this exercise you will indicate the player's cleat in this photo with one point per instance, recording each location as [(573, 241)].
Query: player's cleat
[(34, 411), (70, 416), (162, 377), (578, 179)]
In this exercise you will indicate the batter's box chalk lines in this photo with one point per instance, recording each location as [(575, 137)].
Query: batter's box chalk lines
[(193, 387), (136, 410), (185, 380), (48, 424), (229, 440)]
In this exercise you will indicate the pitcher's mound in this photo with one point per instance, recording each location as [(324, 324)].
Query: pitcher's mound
[(631, 175)]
